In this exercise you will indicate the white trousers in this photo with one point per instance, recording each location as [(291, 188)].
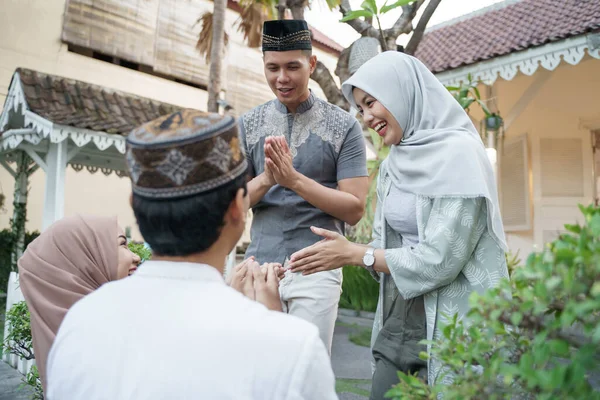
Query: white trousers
[(314, 298)]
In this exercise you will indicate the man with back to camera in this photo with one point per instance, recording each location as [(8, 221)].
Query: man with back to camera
[(308, 163), (174, 329)]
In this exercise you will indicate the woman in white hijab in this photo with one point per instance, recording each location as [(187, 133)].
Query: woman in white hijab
[(437, 231)]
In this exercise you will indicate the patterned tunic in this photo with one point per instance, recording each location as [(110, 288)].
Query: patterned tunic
[(455, 257), (327, 146)]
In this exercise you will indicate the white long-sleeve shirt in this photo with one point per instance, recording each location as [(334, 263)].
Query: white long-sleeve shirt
[(177, 331)]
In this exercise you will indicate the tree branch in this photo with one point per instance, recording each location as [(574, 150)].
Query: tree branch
[(281, 7), (361, 26), (417, 35), (537, 324), (341, 68), (404, 22), (323, 77)]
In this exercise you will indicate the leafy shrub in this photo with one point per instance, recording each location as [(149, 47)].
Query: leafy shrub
[(6, 245), (18, 340), (359, 290), (537, 336), (32, 379), (141, 250)]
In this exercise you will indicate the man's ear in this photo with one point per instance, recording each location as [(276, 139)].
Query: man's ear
[(313, 63), (237, 207)]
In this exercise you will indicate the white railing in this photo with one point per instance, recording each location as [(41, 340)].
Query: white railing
[(13, 296)]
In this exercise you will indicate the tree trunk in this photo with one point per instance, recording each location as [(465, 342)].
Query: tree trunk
[(418, 32), (19, 208), (334, 95), (281, 7), (216, 55)]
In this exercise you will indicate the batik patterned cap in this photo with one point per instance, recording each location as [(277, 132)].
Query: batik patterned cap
[(286, 35), (184, 153)]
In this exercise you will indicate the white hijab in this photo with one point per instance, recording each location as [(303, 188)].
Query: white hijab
[(441, 153)]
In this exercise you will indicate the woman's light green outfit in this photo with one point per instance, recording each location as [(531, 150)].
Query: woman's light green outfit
[(441, 159)]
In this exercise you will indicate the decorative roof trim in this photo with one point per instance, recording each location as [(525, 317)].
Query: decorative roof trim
[(549, 56), (38, 128), (14, 99), (12, 138)]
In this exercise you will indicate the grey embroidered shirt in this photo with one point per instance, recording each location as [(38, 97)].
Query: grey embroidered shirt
[(327, 146)]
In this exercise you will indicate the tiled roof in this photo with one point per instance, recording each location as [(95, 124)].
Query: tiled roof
[(505, 28), (82, 105), (326, 41)]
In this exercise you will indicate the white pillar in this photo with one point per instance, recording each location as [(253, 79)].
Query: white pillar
[(54, 198)]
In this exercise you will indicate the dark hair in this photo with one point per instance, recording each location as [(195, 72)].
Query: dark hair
[(180, 227)]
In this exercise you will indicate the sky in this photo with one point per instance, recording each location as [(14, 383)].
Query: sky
[(327, 21)]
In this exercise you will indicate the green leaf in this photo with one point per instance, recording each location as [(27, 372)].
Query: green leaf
[(553, 283), (595, 225), (356, 14), (397, 4), (465, 102), (369, 5), (574, 228), (484, 108), (332, 3), (516, 318)]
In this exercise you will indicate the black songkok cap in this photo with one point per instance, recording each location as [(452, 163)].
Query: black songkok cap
[(286, 35)]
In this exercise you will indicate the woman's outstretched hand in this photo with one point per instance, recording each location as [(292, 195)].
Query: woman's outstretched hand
[(325, 255)]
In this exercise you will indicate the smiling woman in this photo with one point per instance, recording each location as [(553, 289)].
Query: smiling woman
[(71, 259)]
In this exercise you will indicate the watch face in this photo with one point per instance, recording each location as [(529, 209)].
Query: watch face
[(368, 259)]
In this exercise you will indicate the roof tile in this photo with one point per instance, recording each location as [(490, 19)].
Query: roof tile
[(514, 27), (82, 105)]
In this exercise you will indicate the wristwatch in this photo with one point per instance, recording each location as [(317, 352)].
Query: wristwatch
[(369, 259)]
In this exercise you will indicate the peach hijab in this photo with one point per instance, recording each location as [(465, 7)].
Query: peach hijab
[(72, 258)]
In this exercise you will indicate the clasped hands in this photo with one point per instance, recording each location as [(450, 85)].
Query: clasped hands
[(260, 283), (279, 164)]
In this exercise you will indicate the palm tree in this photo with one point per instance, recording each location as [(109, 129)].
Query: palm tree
[(211, 44), (216, 52)]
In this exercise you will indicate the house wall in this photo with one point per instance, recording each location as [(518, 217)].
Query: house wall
[(30, 33), (558, 121)]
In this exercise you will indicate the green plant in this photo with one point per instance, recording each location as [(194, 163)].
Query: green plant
[(355, 386), (467, 93), (18, 340), (537, 336), (359, 290), (141, 250), (512, 262), (32, 379), (369, 10), (6, 246), (361, 336)]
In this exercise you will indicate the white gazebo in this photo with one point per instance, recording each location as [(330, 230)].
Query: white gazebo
[(57, 122)]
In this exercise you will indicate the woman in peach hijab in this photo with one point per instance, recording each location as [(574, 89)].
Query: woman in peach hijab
[(71, 259)]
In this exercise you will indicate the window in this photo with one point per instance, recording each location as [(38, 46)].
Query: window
[(146, 69)]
